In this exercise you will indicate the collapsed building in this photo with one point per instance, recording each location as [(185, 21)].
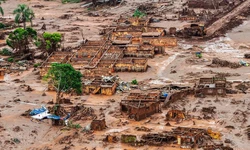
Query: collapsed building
[(98, 85), (175, 115), (182, 137), (208, 4), (211, 86), (98, 124), (139, 106), (127, 50), (122, 49)]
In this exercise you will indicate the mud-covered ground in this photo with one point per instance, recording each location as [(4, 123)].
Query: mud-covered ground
[(14, 100)]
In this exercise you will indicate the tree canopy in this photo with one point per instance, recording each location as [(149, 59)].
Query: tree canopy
[(20, 38), (64, 79), (23, 14), (51, 41)]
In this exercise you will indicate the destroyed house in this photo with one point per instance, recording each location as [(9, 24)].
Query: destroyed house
[(55, 57), (140, 51), (206, 4), (181, 136), (98, 125), (138, 31), (175, 115), (187, 14), (160, 41), (139, 106), (83, 56), (211, 86), (134, 21), (97, 85), (131, 65)]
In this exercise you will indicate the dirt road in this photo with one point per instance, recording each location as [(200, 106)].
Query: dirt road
[(221, 22)]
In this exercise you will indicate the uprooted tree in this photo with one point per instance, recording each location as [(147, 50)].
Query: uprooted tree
[(64, 79), (20, 39)]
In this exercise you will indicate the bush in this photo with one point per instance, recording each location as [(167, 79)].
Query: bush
[(2, 26), (6, 52), (74, 126), (10, 59), (138, 14), (134, 82), (36, 65), (70, 1)]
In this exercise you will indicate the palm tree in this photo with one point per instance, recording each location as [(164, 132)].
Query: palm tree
[(1, 9), (31, 17), (23, 14)]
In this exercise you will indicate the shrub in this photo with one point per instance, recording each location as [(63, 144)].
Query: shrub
[(6, 52), (74, 126), (70, 1), (2, 26), (134, 82), (36, 65), (10, 59), (138, 14)]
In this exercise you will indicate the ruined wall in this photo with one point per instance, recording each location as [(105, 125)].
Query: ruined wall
[(207, 4), (142, 112), (178, 95), (134, 65), (210, 91), (108, 90), (98, 125), (147, 111), (165, 42), (124, 33), (88, 89)]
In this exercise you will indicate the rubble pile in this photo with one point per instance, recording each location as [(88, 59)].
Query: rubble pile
[(224, 63), (208, 112), (248, 132), (82, 113), (68, 139), (247, 55), (182, 136), (239, 117), (242, 87)]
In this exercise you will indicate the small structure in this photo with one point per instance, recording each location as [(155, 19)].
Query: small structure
[(97, 85), (139, 106), (98, 125), (211, 86), (175, 115), (131, 65), (182, 136)]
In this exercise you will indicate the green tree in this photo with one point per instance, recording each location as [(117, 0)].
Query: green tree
[(1, 9), (138, 14), (65, 79), (51, 41), (23, 14), (20, 38)]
